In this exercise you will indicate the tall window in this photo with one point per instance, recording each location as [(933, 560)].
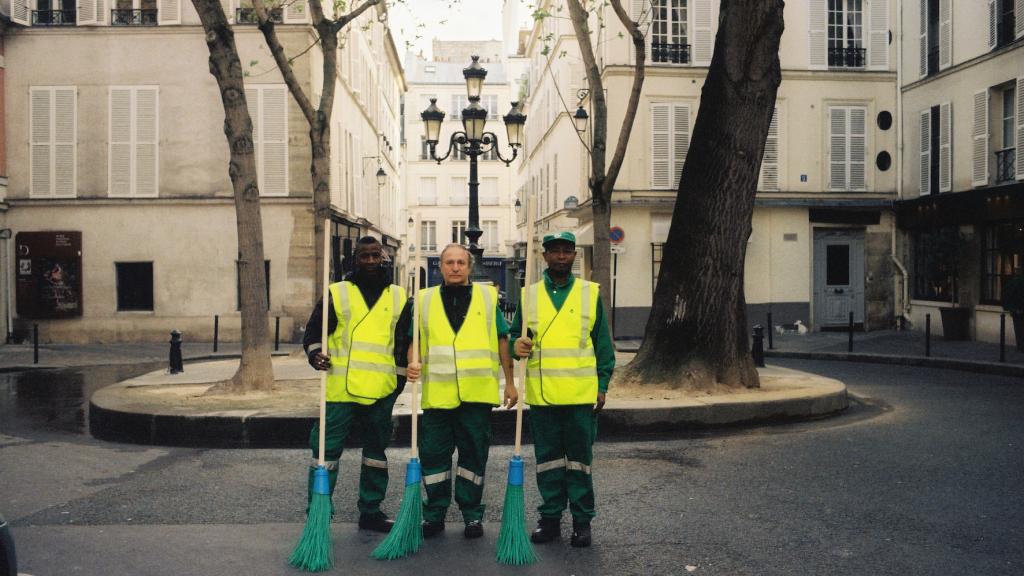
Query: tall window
[(670, 141), (669, 38), (428, 191), (933, 271), (490, 236), (847, 140), (134, 286), (1002, 257), (459, 195), (268, 107), (1007, 156), (458, 231), (846, 34), (488, 191), (133, 151), (1006, 22), (54, 135), (428, 235)]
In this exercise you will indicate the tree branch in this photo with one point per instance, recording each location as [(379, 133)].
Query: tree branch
[(639, 71), (344, 20), (579, 17), (283, 64)]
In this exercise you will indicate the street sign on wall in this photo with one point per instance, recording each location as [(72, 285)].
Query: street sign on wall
[(616, 235)]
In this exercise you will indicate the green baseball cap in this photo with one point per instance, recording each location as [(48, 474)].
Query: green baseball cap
[(563, 236)]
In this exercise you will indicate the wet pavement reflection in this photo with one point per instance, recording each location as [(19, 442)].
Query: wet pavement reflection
[(57, 400)]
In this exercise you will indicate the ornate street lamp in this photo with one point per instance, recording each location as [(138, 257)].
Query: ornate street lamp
[(472, 141)]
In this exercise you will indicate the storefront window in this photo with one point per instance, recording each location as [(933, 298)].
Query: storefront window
[(1002, 247), (935, 255)]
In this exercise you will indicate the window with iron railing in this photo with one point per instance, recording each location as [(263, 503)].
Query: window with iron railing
[(54, 17), (846, 34), (133, 17), (248, 16), (669, 34), (1005, 162)]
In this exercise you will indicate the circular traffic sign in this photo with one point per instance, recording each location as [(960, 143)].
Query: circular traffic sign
[(616, 235)]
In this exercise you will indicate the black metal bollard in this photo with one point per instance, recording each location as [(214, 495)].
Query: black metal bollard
[(216, 330), (927, 335), (175, 365), (277, 333), (849, 345), (35, 343), (771, 330), (1002, 337), (757, 351)]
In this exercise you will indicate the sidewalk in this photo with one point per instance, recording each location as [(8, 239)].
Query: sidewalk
[(888, 347), (15, 357)]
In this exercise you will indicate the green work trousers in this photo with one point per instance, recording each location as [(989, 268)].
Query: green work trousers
[(374, 422), (466, 428), (563, 442)]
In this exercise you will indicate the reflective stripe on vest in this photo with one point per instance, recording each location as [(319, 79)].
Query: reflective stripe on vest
[(362, 345), (460, 367), (562, 369)]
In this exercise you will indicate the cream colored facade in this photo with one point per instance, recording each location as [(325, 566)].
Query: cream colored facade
[(823, 187), (138, 163), (437, 194), (962, 94)]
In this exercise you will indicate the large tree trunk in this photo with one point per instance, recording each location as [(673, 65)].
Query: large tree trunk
[(696, 335), (602, 176), (255, 371)]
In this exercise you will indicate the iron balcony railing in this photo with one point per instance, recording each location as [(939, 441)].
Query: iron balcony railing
[(1006, 159), (248, 16), (54, 17), (847, 57), (670, 53), (125, 17)]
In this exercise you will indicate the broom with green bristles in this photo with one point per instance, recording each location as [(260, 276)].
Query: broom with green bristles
[(514, 545), (313, 553), (406, 535)]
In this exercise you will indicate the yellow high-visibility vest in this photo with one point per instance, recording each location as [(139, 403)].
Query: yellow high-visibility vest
[(459, 367), (562, 369), (362, 347)]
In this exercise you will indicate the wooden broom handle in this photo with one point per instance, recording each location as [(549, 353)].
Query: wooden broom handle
[(523, 326), (416, 336), (323, 339)]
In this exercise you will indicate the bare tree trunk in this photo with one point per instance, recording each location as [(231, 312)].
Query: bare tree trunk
[(255, 371), (318, 118), (696, 334), (602, 179)]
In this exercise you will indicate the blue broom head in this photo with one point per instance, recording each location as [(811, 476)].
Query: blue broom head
[(413, 472), (515, 471), (321, 483)]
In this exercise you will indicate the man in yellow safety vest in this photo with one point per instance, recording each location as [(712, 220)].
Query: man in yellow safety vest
[(463, 345), (570, 361), (362, 379)]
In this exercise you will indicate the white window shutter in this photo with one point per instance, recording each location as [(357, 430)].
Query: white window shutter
[(147, 122), (120, 168), (274, 141), (1018, 23), (858, 148), (979, 151), (945, 34), (926, 152), (924, 39), (769, 177), (20, 13), (680, 141), (169, 12), (40, 130), (878, 35), (946, 147), (1019, 168), (296, 12), (703, 41), (993, 24), (660, 154), (65, 141), (837, 145), (817, 37), (88, 12), (640, 12)]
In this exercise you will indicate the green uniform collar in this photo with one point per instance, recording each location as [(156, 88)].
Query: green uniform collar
[(550, 284)]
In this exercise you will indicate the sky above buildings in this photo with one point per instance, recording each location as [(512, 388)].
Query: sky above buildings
[(419, 21)]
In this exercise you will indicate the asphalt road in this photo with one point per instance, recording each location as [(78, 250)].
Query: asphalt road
[(921, 476)]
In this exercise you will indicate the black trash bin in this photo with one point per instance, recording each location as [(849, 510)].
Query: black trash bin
[(8, 560)]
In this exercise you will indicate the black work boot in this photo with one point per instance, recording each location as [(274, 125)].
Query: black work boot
[(375, 522), (474, 529), (580, 534), (547, 530), (432, 528)]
